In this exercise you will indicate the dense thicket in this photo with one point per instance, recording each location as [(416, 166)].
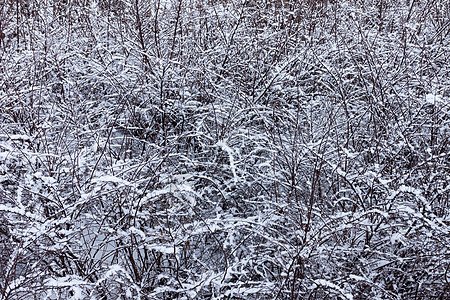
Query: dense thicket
[(181, 149)]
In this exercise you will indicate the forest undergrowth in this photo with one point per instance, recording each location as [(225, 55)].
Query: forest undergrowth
[(224, 149)]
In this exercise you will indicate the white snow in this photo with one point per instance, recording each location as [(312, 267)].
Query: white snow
[(229, 151)]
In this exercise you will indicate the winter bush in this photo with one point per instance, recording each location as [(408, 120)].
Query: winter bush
[(178, 149)]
